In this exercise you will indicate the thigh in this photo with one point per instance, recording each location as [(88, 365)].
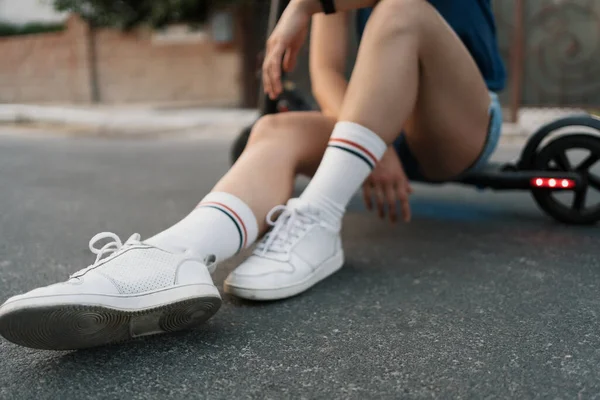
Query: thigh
[(449, 124), (413, 73), (303, 135)]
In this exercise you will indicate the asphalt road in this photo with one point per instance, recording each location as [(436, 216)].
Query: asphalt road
[(481, 296)]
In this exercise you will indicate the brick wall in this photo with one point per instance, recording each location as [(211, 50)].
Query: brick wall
[(127, 67), (45, 67)]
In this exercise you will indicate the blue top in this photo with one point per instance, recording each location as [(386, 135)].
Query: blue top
[(473, 21)]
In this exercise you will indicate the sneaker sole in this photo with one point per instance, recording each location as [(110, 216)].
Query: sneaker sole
[(73, 327), (327, 269)]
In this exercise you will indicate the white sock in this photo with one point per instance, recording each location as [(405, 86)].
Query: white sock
[(351, 155), (221, 225)]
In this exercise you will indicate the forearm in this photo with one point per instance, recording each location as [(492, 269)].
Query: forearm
[(329, 89), (314, 6)]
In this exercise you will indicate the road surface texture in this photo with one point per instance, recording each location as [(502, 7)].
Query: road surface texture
[(481, 296)]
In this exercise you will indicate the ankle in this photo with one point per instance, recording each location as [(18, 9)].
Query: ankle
[(329, 212)]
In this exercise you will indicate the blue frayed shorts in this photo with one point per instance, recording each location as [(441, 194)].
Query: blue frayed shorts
[(411, 165)]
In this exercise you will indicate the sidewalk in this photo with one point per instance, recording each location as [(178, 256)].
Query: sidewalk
[(141, 120), (126, 119)]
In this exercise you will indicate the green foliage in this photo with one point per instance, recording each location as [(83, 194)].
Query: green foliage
[(126, 14), (8, 29)]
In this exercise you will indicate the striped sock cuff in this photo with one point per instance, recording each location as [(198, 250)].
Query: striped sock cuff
[(238, 212), (358, 141)]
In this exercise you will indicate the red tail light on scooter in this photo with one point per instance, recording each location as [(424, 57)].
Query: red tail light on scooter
[(553, 183)]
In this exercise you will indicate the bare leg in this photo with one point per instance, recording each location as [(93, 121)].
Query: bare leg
[(410, 67), (280, 147), (413, 72)]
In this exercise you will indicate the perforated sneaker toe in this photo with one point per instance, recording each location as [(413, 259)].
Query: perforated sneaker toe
[(132, 290)]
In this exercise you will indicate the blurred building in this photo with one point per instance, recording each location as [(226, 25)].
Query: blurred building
[(84, 65), (551, 49)]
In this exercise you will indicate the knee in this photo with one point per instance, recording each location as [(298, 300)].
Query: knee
[(273, 128), (401, 17), (264, 129)]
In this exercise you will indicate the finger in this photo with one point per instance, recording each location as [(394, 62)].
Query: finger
[(265, 76), (380, 198), (271, 76), (406, 212), (367, 196), (290, 60), (404, 202), (265, 79), (390, 193), (268, 78), (274, 70), (266, 84)]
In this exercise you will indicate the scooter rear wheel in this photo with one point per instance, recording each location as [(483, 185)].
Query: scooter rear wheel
[(581, 206)]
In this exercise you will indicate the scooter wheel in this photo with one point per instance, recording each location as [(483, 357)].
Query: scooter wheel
[(572, 153)]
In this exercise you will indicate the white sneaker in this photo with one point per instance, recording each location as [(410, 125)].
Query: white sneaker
[(300, 251), (132, 290)]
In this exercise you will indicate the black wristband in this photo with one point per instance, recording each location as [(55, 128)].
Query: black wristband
[(328, 6)]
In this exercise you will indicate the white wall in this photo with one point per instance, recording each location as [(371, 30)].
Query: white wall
[(22, 11)]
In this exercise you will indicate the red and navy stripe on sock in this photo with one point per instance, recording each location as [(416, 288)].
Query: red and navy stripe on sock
[(354, 149), (234, 217)]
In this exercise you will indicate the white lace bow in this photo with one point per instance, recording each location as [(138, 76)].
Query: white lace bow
[(108, 250), (292, 223)]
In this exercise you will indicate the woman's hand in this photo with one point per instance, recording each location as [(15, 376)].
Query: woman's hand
[(284, 44), (389, 185)]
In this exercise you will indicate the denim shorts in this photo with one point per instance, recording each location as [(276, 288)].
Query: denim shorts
[(411, 165)]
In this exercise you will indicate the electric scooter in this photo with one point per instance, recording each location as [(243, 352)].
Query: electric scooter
[(544, 167)]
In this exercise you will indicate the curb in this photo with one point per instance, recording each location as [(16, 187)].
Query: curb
[(133, 121), (148, 121)]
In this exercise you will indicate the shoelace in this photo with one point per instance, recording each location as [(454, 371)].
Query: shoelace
[(109, 249), (289, 226)]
